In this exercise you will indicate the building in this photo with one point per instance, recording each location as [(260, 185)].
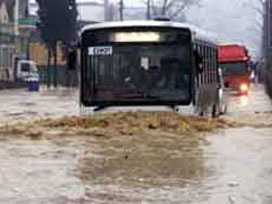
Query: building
[(13, 43), (7, 6), (12, 12), (23, 9), (4, 16)]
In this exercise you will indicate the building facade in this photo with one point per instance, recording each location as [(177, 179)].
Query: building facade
[(12, 43)]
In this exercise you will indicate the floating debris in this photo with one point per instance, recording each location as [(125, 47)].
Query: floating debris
[(233, 184), (123, 123)]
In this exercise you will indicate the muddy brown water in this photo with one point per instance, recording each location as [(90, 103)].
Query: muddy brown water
[(227, 166)]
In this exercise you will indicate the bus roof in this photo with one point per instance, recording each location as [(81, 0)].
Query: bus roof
[(196, 32)]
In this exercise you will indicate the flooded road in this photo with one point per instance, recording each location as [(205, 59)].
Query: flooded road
[(227, 166), (240, 160)]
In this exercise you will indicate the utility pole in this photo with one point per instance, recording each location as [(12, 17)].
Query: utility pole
[(16, 17), (269, 26), (265, 30), (121, 10), (106, 10), (148, 11)]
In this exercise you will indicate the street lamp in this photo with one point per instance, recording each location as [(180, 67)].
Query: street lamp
[(16, 17)]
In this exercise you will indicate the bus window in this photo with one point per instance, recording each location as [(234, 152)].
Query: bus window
[(199, 61), (215, 64), (205, 65), (143, 65), (142, 71), (210, 65)]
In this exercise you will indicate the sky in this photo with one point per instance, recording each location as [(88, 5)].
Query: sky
[(230, 20)]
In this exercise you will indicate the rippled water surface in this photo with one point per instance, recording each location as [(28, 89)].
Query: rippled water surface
[(228, 166)]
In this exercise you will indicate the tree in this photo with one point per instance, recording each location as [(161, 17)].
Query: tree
[(260, 8), (173, 9), (58, 24)]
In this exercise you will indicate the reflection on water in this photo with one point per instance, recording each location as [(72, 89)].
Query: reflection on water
[(142, 158), (244, 158), (243, 100), (147, 163), (135, 168), (139, 169), (96, 169), (255, 101)]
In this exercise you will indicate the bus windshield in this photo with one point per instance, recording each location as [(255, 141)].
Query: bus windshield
[(138, 71), (238, 68)]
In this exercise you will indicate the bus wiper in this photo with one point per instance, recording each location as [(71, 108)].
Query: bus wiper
[(152, 96), (131, 96), (140, 95)]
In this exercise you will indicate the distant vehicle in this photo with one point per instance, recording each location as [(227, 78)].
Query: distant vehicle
[(25, 70), (139, 63), (234, 61)]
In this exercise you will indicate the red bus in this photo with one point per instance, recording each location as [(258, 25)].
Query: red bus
[(234, 60)]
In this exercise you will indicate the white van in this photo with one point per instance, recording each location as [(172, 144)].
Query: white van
[(25, 70)]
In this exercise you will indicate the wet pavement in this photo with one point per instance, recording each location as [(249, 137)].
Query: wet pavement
[(240, 160), (228, 166), (20, 105)]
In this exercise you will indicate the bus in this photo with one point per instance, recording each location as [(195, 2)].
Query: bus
[(234, 61), (142, 63)]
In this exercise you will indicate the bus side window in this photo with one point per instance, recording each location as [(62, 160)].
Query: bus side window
[(198, 61), (210, 66), (214, 65), (195, 51), (204, 75), (207, 65)]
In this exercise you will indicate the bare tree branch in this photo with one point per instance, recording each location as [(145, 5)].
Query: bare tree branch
[(259, 7), (171, 8), (178, 11)]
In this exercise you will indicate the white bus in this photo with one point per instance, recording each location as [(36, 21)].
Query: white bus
[(139, 63)]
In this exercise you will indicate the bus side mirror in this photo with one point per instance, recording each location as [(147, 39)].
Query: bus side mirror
[(72, 60)]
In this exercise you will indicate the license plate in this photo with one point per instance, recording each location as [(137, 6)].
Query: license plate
[(98, 51)]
